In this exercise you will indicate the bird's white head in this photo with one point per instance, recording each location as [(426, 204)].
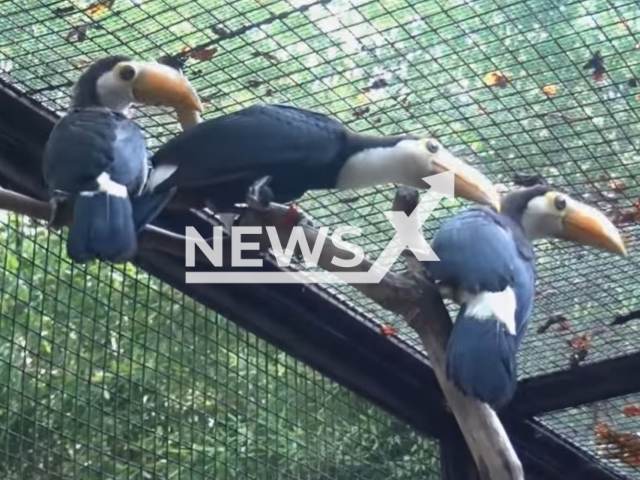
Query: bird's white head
[(552, 214), (117, 82)]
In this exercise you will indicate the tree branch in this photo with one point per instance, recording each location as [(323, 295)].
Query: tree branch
[(408, 294)]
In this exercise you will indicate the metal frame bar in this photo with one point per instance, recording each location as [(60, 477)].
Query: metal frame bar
[(307, 323), (577, 386)]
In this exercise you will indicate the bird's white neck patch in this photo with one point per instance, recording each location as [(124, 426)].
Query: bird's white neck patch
[(539, 221), (108, 186), (114, 93), (379, 166), (488, 305)]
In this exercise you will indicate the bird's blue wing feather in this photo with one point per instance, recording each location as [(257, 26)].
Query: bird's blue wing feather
[(476, 253), (86, 143), (480, 250), (130, 164)]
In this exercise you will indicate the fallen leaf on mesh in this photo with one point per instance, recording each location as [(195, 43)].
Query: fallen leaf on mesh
[(557, 319), (617, 185), (621, 446), (580, 346), (62, 11), (580, 342), (82, 63), (266, 55), (199, 53), (496, 79), (550, 90), (625, 216), (404, 101), (360, 112), (220, 31), (388, 331), (596, 63), (99, 8), (376, 85), (631, 410), (78, 34), (254, 83)]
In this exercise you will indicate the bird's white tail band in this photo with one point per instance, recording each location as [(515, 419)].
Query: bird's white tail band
[(106, 185)]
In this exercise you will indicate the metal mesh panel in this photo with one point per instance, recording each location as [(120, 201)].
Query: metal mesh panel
[(610, 430), (108, 373), (400, 66), (500, 81)]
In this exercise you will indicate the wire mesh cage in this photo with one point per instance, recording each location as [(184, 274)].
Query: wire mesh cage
[(107, 373), (522, 89)]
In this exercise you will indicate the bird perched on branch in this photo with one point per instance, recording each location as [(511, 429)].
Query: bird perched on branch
[(96, 157), (277, 153), (487, 266)]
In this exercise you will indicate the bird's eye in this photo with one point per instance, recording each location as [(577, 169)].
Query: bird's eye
[(560, 203), (127, 73), (432, 146)]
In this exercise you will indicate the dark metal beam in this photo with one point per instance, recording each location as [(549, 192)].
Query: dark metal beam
[(305, 322), (577, 386), (456, 462)]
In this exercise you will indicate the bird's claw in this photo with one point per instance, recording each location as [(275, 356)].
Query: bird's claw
[(54, 210), (56, 203), (259, 196)]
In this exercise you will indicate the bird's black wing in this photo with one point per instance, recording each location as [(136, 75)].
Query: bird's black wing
[(249, 143), (88, 142)]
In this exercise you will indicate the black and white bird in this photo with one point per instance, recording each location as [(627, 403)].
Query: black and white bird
[(96, 157), (487, 266), (277, 153)]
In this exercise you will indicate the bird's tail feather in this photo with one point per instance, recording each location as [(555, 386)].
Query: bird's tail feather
[(481, 359), (102, 228)]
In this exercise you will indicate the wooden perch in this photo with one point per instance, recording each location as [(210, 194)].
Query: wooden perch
[(408, 294)]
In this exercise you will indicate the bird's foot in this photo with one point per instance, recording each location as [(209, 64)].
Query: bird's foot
[(56, 220), (259, 196)]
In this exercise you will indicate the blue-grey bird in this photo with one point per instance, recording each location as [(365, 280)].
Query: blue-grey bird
[(96, 157), (487, 266)]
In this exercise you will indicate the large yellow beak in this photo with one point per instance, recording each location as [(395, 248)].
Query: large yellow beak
[(469, 182), (157, 84), (585, 225)]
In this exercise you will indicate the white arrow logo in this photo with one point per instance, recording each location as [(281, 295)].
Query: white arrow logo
[(408, 235)]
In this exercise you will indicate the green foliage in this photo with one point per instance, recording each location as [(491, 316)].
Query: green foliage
[(106, 373)]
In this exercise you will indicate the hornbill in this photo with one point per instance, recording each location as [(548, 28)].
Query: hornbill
[(96, 162), (267, 153), (487, 266)]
